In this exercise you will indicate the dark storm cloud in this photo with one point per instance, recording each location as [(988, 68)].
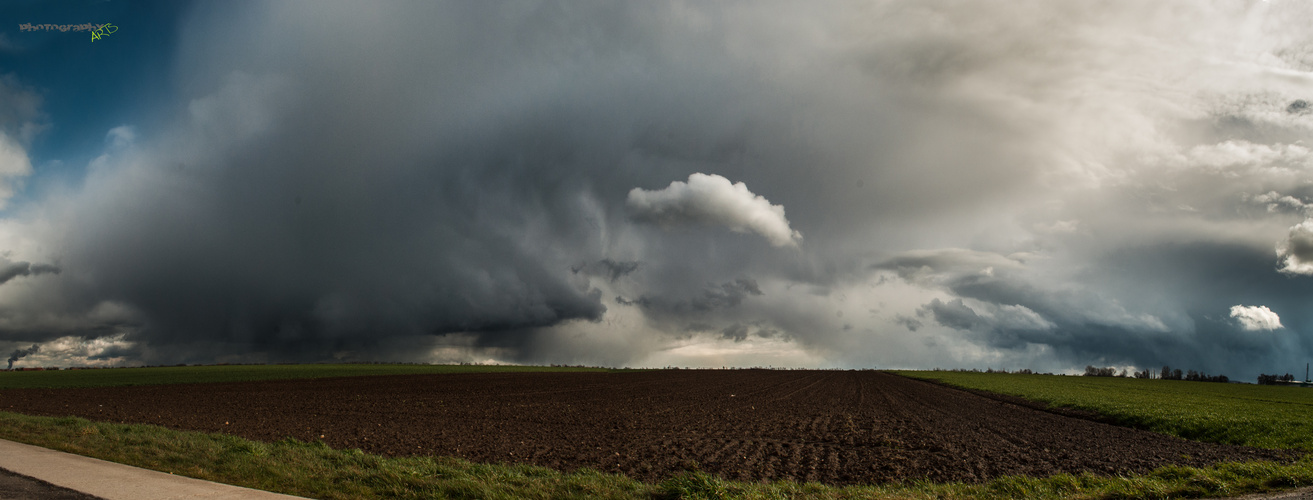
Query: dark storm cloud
[(711, 298), (615, 270), (1154, 307), (737, 332), (11, 270), (953, 314), (442, 180), (909, 322), (556, 181), (611, 269)]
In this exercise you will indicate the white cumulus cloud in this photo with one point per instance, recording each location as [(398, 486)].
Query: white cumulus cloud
[(1253, 318), (712, 199)]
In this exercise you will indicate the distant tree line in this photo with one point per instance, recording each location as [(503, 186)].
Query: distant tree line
[(1194, 376), (1023, 371), (1092, 371), (1167, 373), (1265, 379)]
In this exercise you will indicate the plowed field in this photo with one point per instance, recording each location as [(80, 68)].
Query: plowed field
[(835, 427)]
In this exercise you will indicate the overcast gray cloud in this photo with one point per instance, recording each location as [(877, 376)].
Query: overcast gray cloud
[(1030, 184), (1296, 251), (11, 270), (708, 300)]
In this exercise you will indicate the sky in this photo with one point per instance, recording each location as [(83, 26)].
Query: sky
[(842, 184)]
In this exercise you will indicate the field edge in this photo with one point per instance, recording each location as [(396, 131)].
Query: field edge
[(204, 374), (1245, 415)]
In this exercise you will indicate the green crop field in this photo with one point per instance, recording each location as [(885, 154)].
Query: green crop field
[(1253, 415), (110, 377)]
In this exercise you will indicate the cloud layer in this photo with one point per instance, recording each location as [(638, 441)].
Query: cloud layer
[(1035, 184), (1296, 251)]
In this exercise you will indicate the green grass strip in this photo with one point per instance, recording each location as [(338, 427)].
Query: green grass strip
[(1243, 414), (110, 377), (314, 470)]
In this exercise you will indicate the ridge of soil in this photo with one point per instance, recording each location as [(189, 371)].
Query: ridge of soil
[(835, 427), (1065, 411)]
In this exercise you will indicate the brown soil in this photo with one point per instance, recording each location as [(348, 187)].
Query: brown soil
[(837, 427)]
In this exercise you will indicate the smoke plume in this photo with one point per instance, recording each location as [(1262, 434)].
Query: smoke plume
[(21, 353)]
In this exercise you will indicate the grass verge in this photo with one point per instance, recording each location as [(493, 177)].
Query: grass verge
[(109, 377), (1251, 415), (314, 470)]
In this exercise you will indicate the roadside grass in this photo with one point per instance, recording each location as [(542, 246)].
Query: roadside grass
[(317, 471), (109, 377), (1252, 415)]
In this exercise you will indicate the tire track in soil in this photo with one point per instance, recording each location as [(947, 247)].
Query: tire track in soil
[(835, 427)]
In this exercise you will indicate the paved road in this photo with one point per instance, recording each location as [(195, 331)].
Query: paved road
[(1299, 494), (98, 479), (19, 487)]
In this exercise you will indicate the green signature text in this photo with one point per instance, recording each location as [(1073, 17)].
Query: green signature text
[(103, 31)]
